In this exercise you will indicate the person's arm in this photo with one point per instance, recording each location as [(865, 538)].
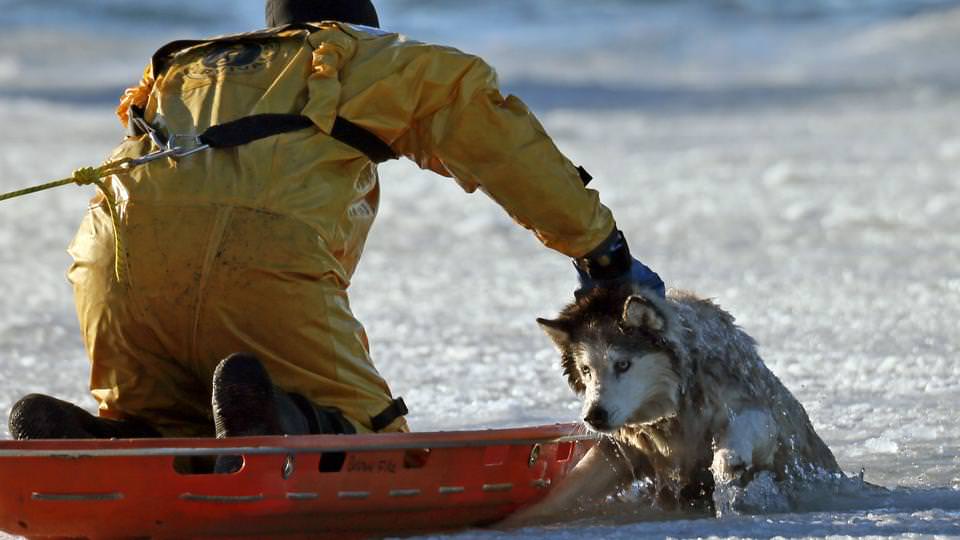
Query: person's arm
[(443, 109)]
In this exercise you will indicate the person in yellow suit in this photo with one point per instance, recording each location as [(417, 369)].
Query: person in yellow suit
[(219, 305)]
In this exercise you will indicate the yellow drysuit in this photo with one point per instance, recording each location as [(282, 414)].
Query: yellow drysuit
[(252, 248)]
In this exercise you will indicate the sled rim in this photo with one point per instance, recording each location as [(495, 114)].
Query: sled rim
[(293, 444)]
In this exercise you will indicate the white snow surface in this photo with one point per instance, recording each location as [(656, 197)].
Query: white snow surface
[(802, 171)]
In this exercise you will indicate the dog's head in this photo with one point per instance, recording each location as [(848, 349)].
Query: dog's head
[(616, 354)]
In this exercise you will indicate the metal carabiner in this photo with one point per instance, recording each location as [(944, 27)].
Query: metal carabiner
[(153, 156), (182, 151), (189, 140), (145, 126), (173, 151)]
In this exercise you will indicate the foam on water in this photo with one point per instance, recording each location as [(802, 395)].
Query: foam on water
[(803, 172)]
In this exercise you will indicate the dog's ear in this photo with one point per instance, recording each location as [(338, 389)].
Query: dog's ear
[(640, 312), (557, 330)]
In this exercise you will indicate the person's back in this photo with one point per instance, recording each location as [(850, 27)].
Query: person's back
[(249, 249)]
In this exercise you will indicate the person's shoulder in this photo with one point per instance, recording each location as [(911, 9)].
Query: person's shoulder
[(360, 31), (395, 39), (400, 51)]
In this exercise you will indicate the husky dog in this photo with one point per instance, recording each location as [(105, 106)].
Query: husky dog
[(683, 396)]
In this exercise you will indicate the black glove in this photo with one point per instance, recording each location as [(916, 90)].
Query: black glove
[(610, 265)]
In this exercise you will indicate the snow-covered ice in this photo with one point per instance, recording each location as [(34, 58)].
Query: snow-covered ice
[(802, 170)]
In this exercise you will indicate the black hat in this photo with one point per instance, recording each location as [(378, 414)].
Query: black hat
[(281, 12)]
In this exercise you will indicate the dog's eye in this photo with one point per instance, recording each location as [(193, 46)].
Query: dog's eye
[(621, 366), (585, 370)]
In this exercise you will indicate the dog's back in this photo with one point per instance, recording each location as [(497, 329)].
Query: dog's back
[(730, 376)]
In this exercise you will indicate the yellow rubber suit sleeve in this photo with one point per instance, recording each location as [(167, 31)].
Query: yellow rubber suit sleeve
[(442, 109)]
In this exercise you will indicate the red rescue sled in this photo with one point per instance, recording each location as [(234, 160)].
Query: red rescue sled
[(334, 486)]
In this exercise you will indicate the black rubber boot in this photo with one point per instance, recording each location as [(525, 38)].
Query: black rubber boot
[(243, 398), (245, 404), (37, 416)]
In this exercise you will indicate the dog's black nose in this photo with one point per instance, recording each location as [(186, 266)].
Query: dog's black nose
[(597, 418)]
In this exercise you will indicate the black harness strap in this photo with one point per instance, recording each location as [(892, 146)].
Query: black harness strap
[(260, 126), (396, 409), (252, 128), (353, 135)]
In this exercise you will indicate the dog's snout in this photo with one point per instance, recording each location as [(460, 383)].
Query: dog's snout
[(597, 417)]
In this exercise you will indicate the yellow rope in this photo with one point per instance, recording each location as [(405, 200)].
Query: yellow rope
[(85, 176)]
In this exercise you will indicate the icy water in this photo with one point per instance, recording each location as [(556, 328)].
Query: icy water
[(797, 161)]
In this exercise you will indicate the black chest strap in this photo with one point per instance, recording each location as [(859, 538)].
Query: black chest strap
[(252, 128), (260, 126)]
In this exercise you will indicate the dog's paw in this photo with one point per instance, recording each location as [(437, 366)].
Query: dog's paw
[(761, 495), (728, 466)]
